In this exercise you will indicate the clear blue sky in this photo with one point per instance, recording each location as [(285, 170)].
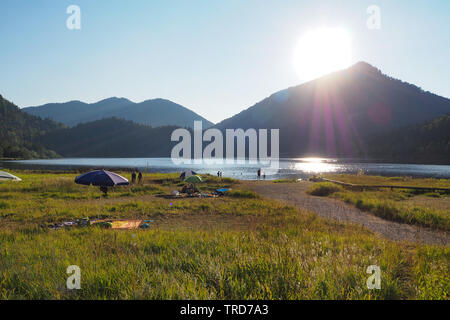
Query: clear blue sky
[(214, 57)]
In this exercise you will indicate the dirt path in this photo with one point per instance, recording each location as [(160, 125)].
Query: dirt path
[(295, 194)]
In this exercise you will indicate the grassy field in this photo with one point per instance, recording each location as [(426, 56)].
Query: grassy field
[(430, 209), (240, 246)]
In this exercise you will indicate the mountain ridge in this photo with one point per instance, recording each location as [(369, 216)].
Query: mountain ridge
[(351, 113), (336, 114), (153, 112), (111, 137), (20, 133)]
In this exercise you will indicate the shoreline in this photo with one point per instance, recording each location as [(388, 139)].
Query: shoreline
[(292, 177)]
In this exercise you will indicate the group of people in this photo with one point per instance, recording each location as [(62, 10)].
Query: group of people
[(259, 175), (219, 175), (133, 176)]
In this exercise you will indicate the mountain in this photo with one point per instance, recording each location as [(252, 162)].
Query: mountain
[(155, 112), (20, 133), (425, 143), (358, 112), (111, 137), (336, 115)]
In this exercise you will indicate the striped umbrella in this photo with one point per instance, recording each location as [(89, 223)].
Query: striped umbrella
[(102, 178)]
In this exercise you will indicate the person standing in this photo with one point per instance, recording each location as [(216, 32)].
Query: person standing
[(140, 177), (264, 176), (133, 177), (259, 174)]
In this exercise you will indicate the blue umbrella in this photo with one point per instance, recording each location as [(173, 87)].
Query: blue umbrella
[(101, 178)]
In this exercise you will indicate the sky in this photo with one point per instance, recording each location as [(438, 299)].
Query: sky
[(215, 57)]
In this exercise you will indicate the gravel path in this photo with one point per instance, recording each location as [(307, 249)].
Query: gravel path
[(295, 194)]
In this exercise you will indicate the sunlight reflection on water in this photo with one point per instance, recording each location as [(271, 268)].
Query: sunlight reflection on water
[(315, 167)]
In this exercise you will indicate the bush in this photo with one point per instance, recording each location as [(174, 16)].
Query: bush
[(4, 205), (242, 194), (324, 189)]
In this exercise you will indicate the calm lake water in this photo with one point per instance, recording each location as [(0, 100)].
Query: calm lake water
[(286, 168)]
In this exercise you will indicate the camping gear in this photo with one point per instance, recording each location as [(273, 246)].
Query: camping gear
[(5, 176), (109, 224), (186, 174), (189, 189), (71, 223), (83, 222), (106, 225), (222, 191), (193, 179), (144, 226)]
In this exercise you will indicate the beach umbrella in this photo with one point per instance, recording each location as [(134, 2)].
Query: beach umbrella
[(5, 176), (193, 179), (186, 174), (101, 178)]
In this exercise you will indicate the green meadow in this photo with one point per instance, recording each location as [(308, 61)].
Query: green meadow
[(240, 246)]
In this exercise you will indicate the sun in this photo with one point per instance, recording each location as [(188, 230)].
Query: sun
[(321, 51)]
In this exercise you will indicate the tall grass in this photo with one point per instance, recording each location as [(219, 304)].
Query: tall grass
[(324, 189), (233, 247)]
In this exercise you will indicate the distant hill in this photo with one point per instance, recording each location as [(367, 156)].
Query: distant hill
[(155, 113), (337, 114), (20, 133), (111, 137), (425, 143)]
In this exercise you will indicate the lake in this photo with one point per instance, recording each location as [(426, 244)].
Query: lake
[(287, 168)]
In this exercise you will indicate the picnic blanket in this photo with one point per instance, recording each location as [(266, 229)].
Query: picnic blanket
[(126, 224)]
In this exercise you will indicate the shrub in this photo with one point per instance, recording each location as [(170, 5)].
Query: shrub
[(4, 205), (324, 189), (242, 194)]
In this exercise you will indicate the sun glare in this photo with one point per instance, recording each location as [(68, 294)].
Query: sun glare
[(321, 51)]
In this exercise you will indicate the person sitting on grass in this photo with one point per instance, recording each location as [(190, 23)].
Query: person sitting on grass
[(104, 189), (189, 189)]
